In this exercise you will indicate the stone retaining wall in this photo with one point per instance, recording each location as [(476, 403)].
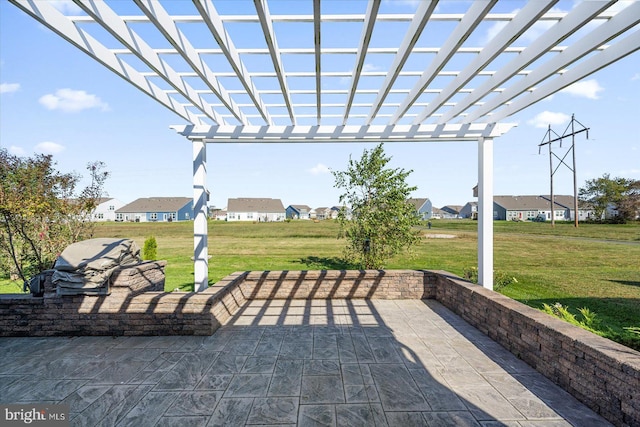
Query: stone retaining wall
[(339, 284), (601, 373)]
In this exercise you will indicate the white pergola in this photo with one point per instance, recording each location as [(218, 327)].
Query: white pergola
[(309, 71)]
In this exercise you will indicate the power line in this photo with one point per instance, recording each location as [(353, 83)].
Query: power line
[(561, 160)]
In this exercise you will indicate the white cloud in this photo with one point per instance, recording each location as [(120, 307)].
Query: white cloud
[(48, 147), (585, 89), (71, 101), (370, 67), (493, 31), (533, 33), (67, 7), (319, 169), (9, 87), (636, 76), (546, 118), (17, 151)]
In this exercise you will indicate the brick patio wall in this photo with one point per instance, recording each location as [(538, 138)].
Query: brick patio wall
[(367, 284), (601, 373)]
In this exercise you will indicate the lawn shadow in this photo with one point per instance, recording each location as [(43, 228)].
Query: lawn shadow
[(626, 282), (326, 263)]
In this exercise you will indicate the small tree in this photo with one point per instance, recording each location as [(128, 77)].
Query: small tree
[(40, 214), (149, 251), (621, 193), (376, 218)]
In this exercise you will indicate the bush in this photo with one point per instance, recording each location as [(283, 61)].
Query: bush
[(500, 278), (150, 249)]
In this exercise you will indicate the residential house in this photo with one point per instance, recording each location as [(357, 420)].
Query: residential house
[(106, 209), (424, 207), (157, 209), (328, 213), (217, 214), (436, 213), (470, 210), (585, 211), (255, 209), (451, 211), (523, 208), (298, 212), (323, 213)]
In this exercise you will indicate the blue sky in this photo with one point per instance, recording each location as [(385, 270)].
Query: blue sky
[(55, 99)]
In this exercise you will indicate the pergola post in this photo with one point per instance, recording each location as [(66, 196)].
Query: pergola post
[(200, 233), (485, 212)]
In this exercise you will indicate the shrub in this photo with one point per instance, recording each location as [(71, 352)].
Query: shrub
[(149, 251), (500, 278)]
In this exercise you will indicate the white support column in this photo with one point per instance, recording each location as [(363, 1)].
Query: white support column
[(200, 234), (485, 212)]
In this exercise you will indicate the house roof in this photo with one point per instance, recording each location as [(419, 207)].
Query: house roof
[(301, 208), (248, 204), (454, 209), (156, 204), (523, 203), (568, 201), (102, 200), (418, 203)]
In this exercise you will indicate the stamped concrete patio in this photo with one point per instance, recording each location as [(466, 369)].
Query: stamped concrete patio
[(294, 362)]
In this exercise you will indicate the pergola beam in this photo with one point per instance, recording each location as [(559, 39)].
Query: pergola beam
[(420, 20), (615, 26), (361, 53), (315, 134), (50, 17), (582, 14), (162, 20), (318, 57), (469, 22), (136, 45), (589, 66), (214, 23), (514, 29), (272, 45)]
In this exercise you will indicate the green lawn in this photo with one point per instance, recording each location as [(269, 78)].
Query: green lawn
[(595, 266)]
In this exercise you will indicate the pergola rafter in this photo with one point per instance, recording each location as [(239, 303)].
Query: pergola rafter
[(419, 21), (514, 29), (448, 71)]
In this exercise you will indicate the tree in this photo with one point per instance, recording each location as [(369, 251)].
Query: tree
[(40, 213), (629, 207), (377, 219), (620, 193)]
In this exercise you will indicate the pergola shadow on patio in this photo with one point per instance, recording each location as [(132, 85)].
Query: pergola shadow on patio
[(294, 362)]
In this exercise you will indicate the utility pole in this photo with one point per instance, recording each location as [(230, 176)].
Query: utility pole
[(561, 160)]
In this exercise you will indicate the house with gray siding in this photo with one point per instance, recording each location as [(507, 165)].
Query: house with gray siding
[(585, 211), (298, 212), (152, 209), (255, 209), (523, 208), (451, 211), (470, 210), (424, 207)]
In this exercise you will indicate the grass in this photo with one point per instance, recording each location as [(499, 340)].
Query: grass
[(594, 266)]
